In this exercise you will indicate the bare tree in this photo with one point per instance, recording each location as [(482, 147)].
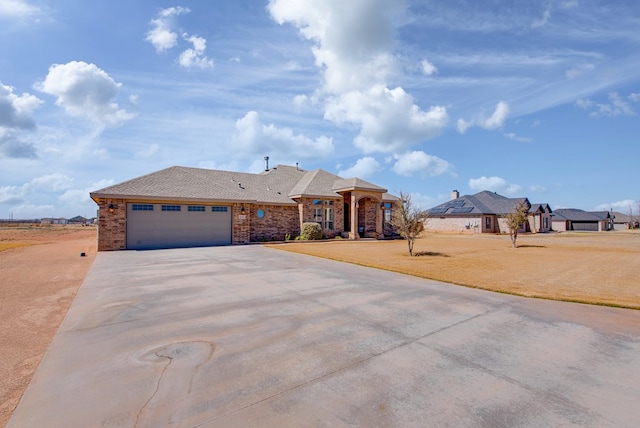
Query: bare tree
[(515, 219), (408, 219)]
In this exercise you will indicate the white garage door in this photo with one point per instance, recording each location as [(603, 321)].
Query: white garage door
[(173, 226)]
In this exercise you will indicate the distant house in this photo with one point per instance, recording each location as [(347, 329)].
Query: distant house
[(50, 220), (78, 220), (624, 221), (485, 212), (566, 219)]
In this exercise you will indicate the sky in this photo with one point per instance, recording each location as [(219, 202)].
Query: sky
[(527, 98)]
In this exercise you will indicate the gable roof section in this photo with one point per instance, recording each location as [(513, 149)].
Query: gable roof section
[(275, 186), (484, 202), (574, 214), (316, 183), (179, 182), (348, 184)]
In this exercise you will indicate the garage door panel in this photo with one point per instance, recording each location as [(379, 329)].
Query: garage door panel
[(148, 229)]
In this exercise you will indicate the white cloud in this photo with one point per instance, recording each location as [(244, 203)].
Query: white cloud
[(624, 206), (85, 91), (364, 167), (494, 184), (353, 38), (161, 36), (194, 57), (388, 119), (353, 45), (50, 183), (16, 111), (12, 147), (515, 137), (421, 164), (495, 121), (151, 152), (17, 8), (253, 138), (546, 15), (537, 188), (617, 106), (427, 68)]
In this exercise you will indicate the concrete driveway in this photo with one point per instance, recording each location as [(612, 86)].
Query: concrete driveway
[(250, 336)]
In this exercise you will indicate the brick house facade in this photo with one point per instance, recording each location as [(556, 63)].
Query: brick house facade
[(183, 207)]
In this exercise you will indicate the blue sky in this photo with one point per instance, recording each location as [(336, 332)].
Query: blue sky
[(525, 98)]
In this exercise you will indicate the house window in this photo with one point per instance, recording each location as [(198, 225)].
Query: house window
[(387, 214), (487, 223), (196, 208), (324, 216), (220, 209), (171, 208), (328, 218), (142, 207)]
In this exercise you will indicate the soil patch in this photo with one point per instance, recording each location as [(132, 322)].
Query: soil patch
[(41, 272)]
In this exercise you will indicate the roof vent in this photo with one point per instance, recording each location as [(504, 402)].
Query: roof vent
[(266, 163), (240, 185)]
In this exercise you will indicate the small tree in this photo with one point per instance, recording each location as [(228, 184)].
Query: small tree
[(408, 219), (515, 219)]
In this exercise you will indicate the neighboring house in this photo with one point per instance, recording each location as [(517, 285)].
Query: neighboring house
[(49, 220), (78, 220), (485, 212), (566, 219), (624, 221), (186, 207)]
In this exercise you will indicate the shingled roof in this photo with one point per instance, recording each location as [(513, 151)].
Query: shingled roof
[(577, 215), (275, 186), (481, 203)]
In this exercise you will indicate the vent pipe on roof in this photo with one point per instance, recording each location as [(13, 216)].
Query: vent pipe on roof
[(455, 195), (266, 163), (297, 169)]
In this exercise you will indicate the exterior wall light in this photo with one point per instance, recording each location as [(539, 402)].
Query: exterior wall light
[(112, 208), (242, 210)]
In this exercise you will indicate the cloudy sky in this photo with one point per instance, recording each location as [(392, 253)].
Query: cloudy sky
[(523, 97)]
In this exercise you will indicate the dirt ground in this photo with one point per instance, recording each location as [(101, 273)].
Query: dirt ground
[(594, 267), (41, 271)]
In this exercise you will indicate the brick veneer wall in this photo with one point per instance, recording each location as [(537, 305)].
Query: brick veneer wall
[(305, 210), (278, 221), (112, 226)]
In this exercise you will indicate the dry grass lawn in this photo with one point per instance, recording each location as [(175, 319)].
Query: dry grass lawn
[(592, 267)]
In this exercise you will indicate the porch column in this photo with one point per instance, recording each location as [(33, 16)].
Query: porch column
[(379, 219), (353, 234)]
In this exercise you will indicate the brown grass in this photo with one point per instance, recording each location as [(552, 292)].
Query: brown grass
[(597, 268)]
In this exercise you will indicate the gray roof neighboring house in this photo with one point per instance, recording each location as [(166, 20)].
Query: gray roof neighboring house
[(577, 215), (485, 202), (275, 186), (619, 217)]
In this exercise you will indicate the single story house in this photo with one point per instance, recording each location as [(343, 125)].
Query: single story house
[(485, 212), (187, 207), (624, 221), (565, 219)]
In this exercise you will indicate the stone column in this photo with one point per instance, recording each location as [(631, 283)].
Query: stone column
[(354, 217)]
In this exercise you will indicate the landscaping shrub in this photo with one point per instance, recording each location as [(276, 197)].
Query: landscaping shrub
[(311, 231)]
